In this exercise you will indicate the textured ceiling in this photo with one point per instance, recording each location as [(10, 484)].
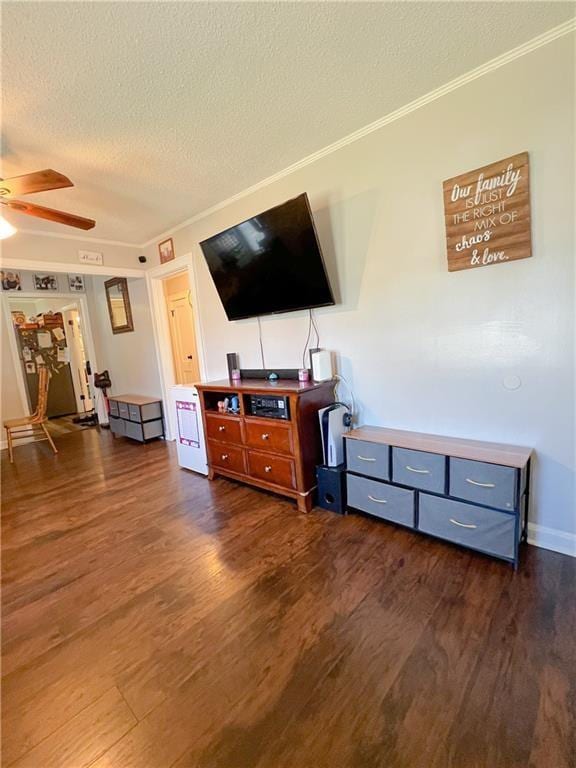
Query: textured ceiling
[(159, 110)]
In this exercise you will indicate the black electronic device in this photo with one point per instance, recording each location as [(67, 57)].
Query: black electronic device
[(269, 264), (332, 488), (268, 373), (233, 362), (270, 406)]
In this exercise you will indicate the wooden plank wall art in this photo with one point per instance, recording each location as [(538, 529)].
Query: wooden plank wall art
[(487, 214)]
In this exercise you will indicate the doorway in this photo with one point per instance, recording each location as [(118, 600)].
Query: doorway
[(155, 279), (50, 332), (182, 329), (78, 358)]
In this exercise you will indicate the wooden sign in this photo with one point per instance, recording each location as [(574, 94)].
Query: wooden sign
[(487, 215)]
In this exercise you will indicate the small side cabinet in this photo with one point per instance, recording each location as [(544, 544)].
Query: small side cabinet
[(466, 492), (137, 417)]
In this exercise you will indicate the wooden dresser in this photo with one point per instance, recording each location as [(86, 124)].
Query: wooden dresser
[(278, 455), (467, 492)]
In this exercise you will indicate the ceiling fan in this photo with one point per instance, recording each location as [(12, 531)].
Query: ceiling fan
[(39, 181)]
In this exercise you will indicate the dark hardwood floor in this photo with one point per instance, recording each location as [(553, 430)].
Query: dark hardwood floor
[(152, 619)]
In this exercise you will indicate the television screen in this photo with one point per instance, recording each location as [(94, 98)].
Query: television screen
[(270, 263)]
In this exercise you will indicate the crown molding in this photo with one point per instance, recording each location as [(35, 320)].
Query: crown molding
[(500, 61), (91, 240)]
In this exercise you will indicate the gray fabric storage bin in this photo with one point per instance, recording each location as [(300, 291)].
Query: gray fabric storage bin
[(381, 499), (134, 412), (150, 411), (486, 530), (489, 484), (134, 430), (123, 410), (368, 458), (152, 429), (116, 425), (113, 407), (419, 469)]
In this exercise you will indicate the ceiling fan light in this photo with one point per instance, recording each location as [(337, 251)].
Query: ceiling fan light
[(6, 229)]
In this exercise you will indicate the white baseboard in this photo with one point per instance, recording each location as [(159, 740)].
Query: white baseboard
[(21, 441), (552, 538)]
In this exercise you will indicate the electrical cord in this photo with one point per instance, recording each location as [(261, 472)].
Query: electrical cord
[(261, 344), (352, 405), (307, 340), (313, 320)]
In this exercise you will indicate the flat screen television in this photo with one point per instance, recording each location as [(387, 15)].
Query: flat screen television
[(270, 263)]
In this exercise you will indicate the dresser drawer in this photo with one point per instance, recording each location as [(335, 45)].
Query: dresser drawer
[(381, 499), (272, 469), (269, 437), (123, 411), (368, 458), (226, 457), (419, 469), (225, 429), (483, 529), (489, 484), (113, 405)]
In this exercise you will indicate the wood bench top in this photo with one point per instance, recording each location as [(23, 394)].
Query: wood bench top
[(457, 447), (134, 399)]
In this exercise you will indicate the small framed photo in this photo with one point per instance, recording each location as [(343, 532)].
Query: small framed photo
[(166, 248), (30, 367), (76, 283), (10, 281), (45, 283)]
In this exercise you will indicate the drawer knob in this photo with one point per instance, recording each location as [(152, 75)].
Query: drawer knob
[(265, 436), (378, 501), (366, 458), (268, 468), (481, 485), (224, 457), (419, 471), (221, 429), (462, 525)]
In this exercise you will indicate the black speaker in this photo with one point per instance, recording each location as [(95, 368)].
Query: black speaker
[(233, 361), (332, 488)]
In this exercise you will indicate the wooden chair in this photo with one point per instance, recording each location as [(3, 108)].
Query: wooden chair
[(34, 425)]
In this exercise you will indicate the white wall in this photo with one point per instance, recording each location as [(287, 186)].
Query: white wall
[(129, 357), (64, 249), (425, 349)]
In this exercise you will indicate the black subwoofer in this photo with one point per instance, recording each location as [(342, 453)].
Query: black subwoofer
[(332, 488)]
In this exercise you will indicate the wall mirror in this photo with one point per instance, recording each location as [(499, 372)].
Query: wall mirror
[(119, 305)]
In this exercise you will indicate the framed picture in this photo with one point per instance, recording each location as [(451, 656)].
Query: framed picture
[(10, 281), (45, 283), (166, 248), (30, 367), (76, 283)]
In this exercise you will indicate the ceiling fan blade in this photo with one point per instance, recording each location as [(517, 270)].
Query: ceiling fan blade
[(39, 181), (61, 217)]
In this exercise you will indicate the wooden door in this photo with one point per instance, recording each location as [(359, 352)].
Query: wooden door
[(181, 318)]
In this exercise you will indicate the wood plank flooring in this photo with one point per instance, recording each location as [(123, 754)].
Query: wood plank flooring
[(152, 619)]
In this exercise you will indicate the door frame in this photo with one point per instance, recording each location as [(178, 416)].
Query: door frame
[(161, 329), (82, 304)]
